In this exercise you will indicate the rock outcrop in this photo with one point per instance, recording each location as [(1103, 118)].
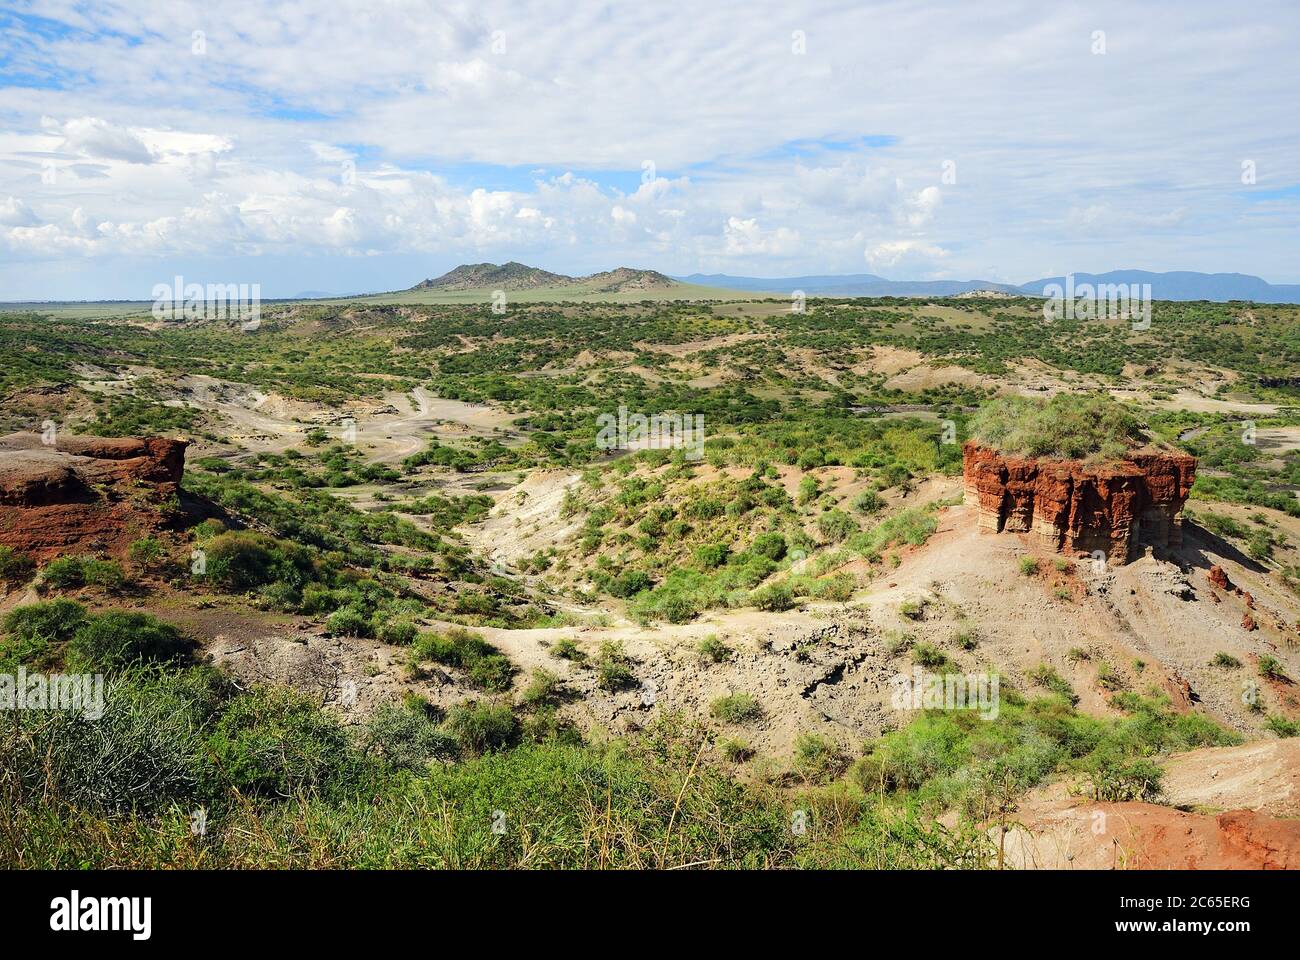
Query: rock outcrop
[(1075, 507), (84, 494)]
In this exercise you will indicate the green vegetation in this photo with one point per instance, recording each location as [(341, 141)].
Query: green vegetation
[(1068, 425), (736, 708)]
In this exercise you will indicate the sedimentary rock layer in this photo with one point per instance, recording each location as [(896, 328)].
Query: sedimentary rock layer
[(84, 494), (1076, 507)]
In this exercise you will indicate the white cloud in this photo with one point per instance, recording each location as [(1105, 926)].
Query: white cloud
[(15, 213), (767, 162), (93, 137), (747, 238), (893, 253)]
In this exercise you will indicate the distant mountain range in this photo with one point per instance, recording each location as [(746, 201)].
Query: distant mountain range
[(1177, 285)]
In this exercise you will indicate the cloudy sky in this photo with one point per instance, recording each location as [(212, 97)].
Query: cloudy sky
[(355, 146)]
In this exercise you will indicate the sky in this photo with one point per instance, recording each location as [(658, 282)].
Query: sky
[(361, 146)]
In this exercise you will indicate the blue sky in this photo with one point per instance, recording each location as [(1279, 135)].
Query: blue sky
[(361, 146)]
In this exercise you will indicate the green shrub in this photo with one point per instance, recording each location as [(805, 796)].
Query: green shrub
[(711, 555), (34, 631), (241, 560), (929, 656), (774, 597), (67, 573), (913, 526), (1271, 668), (14, 566), (1225, 660), (544, 688), (1067, 425), (735, 750), (629, 583), (566, 648), (492, 672), (406, 738), (868, 502), (1028, 566), (912, 609), (1107, 677), (349, 621), (711, 648), (771, 545), (836, 525), (399, 633), (146, 552), (482, 727), (485, 666), (816, 759), (1115, 779), (736, 708), (117, 639), (1281, 726), (613, 667), (275, 742), (1045, 675), (144, 753)]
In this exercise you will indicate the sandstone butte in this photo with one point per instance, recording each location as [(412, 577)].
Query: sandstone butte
[(85, 494), (1075, 507)]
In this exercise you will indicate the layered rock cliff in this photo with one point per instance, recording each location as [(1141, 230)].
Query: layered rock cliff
[(84, 494), (1074, 507)]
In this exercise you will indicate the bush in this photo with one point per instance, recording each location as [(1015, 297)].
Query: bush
[(913, 526), (1271, 668), (771, 545), (406, 738), (736, 708), (836, 525), (1028, 566), (399, 633), (482, 727), (775, 597), (1068, 425), (275, 742), (711, 555), (544, 688), (485, 666), (33, 631), (912, 609), (144, 753), (349, 621), (711, 648), (117, 639), (146, 552), (868, 502), (817, 759), (14, 566), (1045, 675), (629, 583), (735, 750), (241, 560), (1283, 727), (1225, 660), (613, 667), (67, 573), (493, 672), (929, 656), (1116, 779), (566, 648)]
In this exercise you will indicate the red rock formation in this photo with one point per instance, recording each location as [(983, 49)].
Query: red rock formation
[(1075, 507), (1219, 578), (84, 494)]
